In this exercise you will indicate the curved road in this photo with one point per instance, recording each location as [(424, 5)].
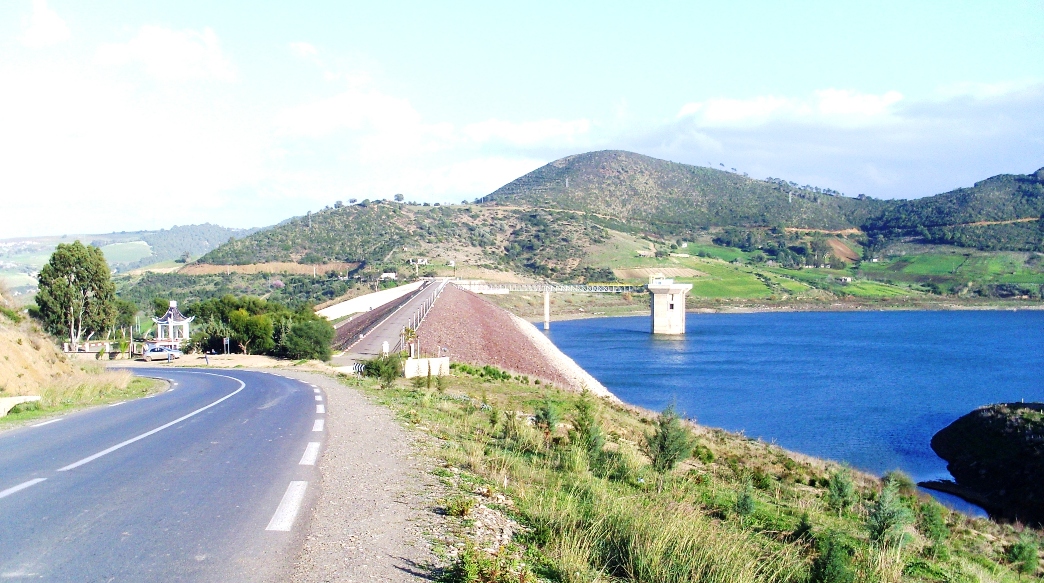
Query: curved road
[(209, 481)]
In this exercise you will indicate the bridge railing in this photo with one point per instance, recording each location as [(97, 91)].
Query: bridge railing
[(418, 316), (484, 287)]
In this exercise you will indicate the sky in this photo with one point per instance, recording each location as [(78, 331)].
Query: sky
[(119, 115)]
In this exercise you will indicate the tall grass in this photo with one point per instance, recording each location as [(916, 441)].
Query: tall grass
[(90, 384), (605, 514)]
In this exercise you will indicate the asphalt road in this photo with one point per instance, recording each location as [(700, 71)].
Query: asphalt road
[(388, 331), (206, 482)]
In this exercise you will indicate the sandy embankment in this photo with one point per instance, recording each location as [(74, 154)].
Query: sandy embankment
[(474, 331)]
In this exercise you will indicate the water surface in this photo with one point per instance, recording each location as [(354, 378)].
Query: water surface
[(866, 388)]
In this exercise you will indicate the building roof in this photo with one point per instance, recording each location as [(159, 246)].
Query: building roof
[(173, 316)]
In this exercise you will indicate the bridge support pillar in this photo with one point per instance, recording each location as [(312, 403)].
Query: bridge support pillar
[(667, 300), (547, 309)]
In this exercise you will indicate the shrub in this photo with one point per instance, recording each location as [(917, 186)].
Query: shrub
[(744, 506), (669, 443), (1023, 556), (310, 339), (587, 433), (547, 417), (477, 566), (904, 484), (384, 368), (888, 517), (833, 563), (932, 523), (460, 505), (841, 493)]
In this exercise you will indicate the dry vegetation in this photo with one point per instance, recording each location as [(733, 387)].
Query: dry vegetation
[(32, 365)]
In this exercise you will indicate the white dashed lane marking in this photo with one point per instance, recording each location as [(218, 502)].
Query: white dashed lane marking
[(20, 487), (318, 398), (283, 519), (48, 422), (311, 454), (318, 426), (320, 408)]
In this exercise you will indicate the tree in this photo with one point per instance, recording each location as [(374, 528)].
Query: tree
[(76, 294), (841, 491), (669, 443), (833, 564), (587, 433), (253, 333), (547, 417), (1023, 555), (888, 517), (310, 340), (399, 198)]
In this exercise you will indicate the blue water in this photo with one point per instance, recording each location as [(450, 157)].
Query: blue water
[(866, 388)]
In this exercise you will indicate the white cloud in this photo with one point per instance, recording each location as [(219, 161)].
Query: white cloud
[(527, 133), (880, 145), (171, 55), (45, 28), (303, 49), (835, 107)]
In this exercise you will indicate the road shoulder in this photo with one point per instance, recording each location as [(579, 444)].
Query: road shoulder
[(375, 507)]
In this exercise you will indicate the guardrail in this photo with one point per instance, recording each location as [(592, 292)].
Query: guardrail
[(419, 314), (601, 288), (359, 326)]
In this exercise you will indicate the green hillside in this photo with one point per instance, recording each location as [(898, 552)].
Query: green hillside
[(999, 213), (611, 215), (675, 199), (382, 236)]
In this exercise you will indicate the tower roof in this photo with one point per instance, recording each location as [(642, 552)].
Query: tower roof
[(173, 316)]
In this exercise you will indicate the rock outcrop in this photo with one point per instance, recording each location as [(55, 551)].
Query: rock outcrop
[(996, 456)]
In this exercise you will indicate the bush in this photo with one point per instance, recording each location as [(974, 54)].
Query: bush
[(841, 493), (669, 444), (744, 506), (1023, 556), (384, 368), (310, 340), (587, 433), (547, 417), (904, 484), (888, 517), (833, 564), (460, 505), (932, 523)]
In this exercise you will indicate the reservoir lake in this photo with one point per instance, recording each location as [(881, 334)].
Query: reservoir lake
[(866, 388)]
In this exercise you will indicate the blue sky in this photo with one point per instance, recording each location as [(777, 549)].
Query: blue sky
[(118, 116)]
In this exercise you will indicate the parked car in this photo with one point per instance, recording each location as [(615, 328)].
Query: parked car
[(160, 353)]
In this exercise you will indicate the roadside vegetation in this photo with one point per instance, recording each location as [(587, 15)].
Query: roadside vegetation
[(31, 365), (602, 492)]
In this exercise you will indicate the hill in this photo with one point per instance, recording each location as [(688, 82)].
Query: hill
[(669, 198), (380, 236), (22, 258), (1000, 213)]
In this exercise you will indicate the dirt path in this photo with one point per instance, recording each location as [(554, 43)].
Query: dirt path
[(375, 504)]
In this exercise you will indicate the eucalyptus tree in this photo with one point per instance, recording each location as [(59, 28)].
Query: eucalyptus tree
[(77, 295)]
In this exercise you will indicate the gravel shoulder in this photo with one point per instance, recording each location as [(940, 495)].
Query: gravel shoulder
[(376, 504)]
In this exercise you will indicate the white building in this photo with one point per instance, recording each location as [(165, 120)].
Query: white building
[(173, 328)]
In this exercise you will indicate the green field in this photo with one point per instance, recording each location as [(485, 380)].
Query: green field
[(724, 280), (951, 270), (126, 252)]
